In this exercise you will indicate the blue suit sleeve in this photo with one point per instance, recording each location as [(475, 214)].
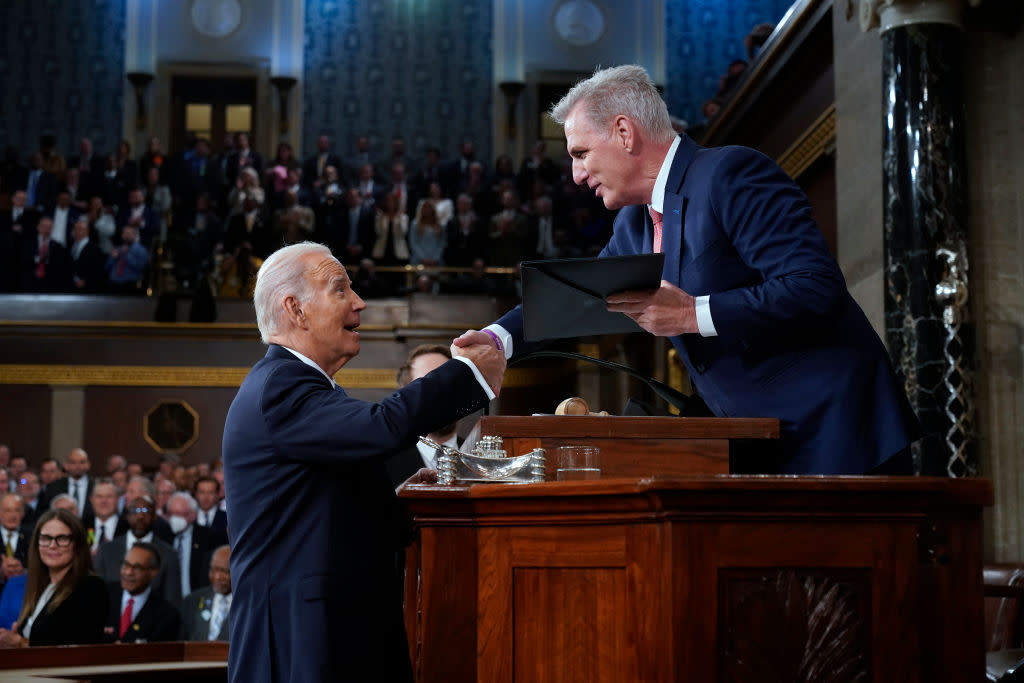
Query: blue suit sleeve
[(768, 220), (310, 422)]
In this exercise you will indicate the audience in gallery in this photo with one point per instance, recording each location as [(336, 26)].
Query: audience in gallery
[(76, 551), (210, 218)]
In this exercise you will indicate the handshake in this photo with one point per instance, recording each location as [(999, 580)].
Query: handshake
[(483, 349)]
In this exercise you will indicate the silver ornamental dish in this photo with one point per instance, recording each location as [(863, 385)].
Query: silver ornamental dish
[(487, 463)]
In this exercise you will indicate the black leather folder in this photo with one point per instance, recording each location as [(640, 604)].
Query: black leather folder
[(566, 297)]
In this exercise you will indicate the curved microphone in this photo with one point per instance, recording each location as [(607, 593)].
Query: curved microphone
[(685, 404)]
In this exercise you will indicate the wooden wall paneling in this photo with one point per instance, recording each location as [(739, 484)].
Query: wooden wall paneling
[(25, 421), (114, 419), (447, 643)]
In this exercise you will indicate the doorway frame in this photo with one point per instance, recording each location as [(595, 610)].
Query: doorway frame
[(264, 138)]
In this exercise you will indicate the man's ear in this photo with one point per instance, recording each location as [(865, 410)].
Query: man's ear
[(293, 309), (625, 132)]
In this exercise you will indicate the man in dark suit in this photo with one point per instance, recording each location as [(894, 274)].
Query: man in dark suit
[(750, 297), (351, 229), (78, 484), (313, 518), (88, 262), (313, 169), (138, 613), (14, 537), (45, 267), (143, 217), (40, 186), (140, 513), (243, 156), (207, 497), (205, 614), (105, 524), (193, 543)]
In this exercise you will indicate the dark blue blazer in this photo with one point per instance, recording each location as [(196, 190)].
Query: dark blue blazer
[(314, 522), (792, 343)]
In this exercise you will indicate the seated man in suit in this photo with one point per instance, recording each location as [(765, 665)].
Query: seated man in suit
[(141, 513), (138, 613), (193, 543), (205, 612), (15, 538), (106, 523), (208, 496), (422, 360)]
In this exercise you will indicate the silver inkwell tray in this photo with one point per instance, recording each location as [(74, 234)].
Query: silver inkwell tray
[(488, 463)]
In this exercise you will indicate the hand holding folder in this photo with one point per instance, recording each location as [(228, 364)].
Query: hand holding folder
[(566, 297)]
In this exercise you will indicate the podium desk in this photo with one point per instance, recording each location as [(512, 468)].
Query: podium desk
[(633, 446), (702, 578)]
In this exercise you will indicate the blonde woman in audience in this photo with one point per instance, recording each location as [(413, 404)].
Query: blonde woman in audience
[(444, 207), (65, 602), (426, 237)]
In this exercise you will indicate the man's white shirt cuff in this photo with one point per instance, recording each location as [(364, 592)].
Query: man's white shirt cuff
[(479, 377), (705, 325), (504, 336)]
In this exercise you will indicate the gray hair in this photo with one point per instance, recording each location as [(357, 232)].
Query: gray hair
[(280, 276), (187, 497), (63, 496), (618, 90), (147, 485)]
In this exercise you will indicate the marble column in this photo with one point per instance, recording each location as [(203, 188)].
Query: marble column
[(924, 198)]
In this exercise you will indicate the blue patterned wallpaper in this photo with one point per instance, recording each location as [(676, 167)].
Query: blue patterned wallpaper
[(394, 67), (701, 38), (61, 73)]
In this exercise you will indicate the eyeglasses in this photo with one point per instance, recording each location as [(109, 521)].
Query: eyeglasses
[(139, 511), (132, 567), (62, 541)]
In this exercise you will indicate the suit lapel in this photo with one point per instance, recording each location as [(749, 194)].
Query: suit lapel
[(674, 209)]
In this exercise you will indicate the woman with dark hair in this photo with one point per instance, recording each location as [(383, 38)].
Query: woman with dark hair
[(65, 603)]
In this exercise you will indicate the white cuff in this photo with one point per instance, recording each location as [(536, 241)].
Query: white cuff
[(504, 336), (479, 377), (705, 325)]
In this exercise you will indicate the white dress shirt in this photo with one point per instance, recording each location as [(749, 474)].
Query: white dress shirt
[(60, 225), (108, 526), (130, 540), (140, 602)]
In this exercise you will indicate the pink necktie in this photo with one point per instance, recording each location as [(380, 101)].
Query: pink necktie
[(656, 219)]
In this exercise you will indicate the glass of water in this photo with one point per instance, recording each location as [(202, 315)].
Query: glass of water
[(577, 462)]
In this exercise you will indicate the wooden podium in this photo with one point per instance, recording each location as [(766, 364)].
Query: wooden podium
[(634, 446), (705, 578)]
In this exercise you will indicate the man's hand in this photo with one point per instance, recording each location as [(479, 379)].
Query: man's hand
[(471, 337), (487, 359), (11, 566), (664, 312)]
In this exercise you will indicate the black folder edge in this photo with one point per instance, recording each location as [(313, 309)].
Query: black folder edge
[(581, 308)]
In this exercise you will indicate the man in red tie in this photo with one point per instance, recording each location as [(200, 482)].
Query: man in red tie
[(751, 297), (45, 264), (137, 613)]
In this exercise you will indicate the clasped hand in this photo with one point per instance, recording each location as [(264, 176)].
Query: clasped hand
[(479, 348), (664, 312)]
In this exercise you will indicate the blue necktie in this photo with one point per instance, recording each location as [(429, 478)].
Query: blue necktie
[(30, 193)]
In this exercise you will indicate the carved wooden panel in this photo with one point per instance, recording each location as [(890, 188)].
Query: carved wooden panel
[(794, 626)]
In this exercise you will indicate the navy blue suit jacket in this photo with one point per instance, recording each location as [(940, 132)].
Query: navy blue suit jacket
[(792, 343), (314, 522)]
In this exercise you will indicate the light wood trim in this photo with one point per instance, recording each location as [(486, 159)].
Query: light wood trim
[(192, 376), (811, 145)]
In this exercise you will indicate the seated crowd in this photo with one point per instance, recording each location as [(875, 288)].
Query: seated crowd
[(101, 223), (120, 558)]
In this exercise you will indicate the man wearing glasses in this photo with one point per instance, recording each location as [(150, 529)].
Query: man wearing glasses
[(137, 613), (141, 512)]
